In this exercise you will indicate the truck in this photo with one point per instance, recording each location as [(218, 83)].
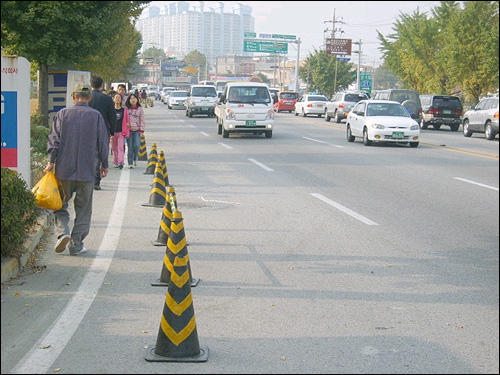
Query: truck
[(245, 107)]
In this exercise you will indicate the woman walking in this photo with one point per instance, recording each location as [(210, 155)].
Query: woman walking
[(136, 125), (121, 132)]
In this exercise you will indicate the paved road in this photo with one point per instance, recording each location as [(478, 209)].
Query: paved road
[(315, 256)]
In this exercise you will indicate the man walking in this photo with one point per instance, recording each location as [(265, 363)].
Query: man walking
[(77, 135), (105, 105)]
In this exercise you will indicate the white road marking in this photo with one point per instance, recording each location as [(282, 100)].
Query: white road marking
[(265, 167), (344, 209), (225, 202), (326, 143), (205, 134), (192, 126), (476, 183), (226, 146), (55, 339)]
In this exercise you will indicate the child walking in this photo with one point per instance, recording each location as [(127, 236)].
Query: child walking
[(121, 132), (136, 125)]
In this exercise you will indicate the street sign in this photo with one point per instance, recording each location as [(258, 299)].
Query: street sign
[(343, 59), (366, 81), (265, 47), (250, 35), (338, 46)]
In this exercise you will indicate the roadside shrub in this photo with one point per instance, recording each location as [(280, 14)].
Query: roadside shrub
[(18, 212), (39, 157)]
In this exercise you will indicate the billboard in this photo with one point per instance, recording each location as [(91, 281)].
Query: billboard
[(338, 46)]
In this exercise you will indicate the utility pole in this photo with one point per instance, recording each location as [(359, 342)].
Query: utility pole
[(334, 29), (358, 83)]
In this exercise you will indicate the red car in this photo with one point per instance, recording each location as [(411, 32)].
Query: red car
[(286, 101)]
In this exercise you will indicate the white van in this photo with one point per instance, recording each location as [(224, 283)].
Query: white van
[(201, 100), (245, 107)]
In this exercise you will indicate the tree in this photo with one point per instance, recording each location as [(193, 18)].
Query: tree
[(325, 74), (196, 57), (62, 32), (153, 53)]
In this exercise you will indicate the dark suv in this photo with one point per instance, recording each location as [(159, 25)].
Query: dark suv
[(410, 99), (438, 110)]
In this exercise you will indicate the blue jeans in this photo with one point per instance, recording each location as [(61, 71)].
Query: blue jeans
[(134, 144)]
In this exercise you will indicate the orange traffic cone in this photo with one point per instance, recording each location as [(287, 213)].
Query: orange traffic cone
[(166, 217), (158, 194), (164, 168), (177, 339), (153, 159)]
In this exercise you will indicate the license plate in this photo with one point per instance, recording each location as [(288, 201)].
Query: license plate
[(447, 112), (398, 135), (319, 106), (251, 123), (204, 108)]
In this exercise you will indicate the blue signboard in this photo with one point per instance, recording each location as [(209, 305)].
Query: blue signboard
[(9, 129)]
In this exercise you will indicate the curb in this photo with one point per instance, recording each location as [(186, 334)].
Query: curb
[(12, 266)]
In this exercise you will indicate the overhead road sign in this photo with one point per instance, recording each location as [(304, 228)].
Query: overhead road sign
[(338, 46), (265, 47)]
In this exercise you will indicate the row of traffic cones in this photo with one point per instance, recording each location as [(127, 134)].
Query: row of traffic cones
[(177, 339)]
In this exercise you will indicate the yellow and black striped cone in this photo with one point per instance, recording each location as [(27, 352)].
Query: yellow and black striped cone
[(158, 193), (177, 339), (153, 159), (166, 217), (176, 245), (143, 150), (164, 168)]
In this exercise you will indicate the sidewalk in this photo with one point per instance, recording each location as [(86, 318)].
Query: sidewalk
[(12, 266)]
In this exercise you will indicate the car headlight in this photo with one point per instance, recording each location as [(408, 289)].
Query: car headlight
[(230, 115), (414, 127), (378, 126), (270, 115)]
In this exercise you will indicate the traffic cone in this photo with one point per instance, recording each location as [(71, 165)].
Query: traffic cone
[(153, 159), (166, 218), (143, 151), (164, 168), (177, 339), (176, 245), (158, 194)]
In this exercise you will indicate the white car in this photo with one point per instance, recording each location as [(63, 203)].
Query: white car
[(165, 92), (311, 105), (382, 121), (177, 99)]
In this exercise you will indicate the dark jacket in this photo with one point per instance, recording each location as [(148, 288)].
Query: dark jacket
[(104, 104)]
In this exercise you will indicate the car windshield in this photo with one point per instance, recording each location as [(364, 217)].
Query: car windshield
[(249, 94), (178, 94), (317, 99), (447, 102), (207, 92), (386, 109), (288, 95), (354, 98)]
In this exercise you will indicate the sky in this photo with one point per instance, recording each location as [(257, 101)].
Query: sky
[(309, 20)]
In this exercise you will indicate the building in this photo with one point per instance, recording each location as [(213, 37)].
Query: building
[(179, 28)]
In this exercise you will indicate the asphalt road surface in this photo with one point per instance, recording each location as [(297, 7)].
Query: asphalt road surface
[(315, 256)]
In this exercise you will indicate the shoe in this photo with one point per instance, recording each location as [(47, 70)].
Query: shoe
[(62, 243), (120, 166), (97, 187), (116, 165), (135, 164), (130, 167), (82, 251)]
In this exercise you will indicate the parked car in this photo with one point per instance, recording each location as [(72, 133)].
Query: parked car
[(245, 107), (382, 121), (177, 99), (410, 99), (165, 92), (311, 105), (439, 110), (286, 101), (201, 100), (483, 118), (341, 104)]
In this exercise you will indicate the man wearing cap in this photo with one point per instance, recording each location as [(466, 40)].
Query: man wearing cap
[(77, 135)]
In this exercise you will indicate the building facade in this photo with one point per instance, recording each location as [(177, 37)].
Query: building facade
[(179, 28)]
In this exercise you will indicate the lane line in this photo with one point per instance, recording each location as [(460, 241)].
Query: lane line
[(205, 134), (344, 209), (326, 143), (55, 339), (192, 126), (265, 167), (224, 145), (476, 183)]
